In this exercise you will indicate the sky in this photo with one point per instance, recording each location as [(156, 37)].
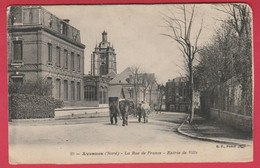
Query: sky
[(135, 32)]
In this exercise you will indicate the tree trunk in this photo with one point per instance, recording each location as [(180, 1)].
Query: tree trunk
[(191, 92), (150, 98)]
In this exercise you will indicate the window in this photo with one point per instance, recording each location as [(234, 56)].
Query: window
[(66, 59), (100, 97), (72, 90), (78, 62), (72, 61), (18, 51), (90, 93), (49, 53), (58, 56), (66, 90), (49, 80), (58, 89), (63, 28), (18, 81), (78, 91)]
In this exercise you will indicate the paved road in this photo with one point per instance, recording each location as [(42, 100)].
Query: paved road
[(65, 141)]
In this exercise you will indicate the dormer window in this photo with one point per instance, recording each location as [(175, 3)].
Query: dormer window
[(63, 28), (50, 22)]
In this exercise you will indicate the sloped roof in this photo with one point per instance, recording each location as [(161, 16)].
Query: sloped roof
[(111, 74), (121, 78), (115, 91)]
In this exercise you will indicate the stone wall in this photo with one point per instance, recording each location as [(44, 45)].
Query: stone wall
[(241, 122)]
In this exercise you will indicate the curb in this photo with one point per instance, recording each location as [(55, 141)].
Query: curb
[(86, 108), (205, 138)]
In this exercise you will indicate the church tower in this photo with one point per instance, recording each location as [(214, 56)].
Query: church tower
[(103, 58)]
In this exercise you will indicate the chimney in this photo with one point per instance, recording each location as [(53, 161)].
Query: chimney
[(66, 20)]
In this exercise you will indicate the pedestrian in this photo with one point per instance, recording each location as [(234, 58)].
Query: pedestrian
[(113, 113), (139, 112)]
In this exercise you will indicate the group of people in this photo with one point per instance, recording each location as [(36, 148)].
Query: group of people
[(142, 110)]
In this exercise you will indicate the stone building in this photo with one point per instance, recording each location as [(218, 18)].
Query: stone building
[(124, 84), (41, 45), (176, 94), (96, 90), (103, 58), (103, 70)]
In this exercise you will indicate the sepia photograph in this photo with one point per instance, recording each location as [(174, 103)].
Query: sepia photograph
[(130, 83)]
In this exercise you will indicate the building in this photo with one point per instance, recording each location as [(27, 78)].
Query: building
[(41, 45), (96, 90), (177, 95), (103, 59), (123, 84), (103, 70)]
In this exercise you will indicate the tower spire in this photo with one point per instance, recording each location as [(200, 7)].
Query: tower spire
[(104, 36)]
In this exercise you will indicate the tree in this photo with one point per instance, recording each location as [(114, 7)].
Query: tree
[(40, 87), (144, 84), (239, 17), (152, 83), (181, 30), (136, 81)]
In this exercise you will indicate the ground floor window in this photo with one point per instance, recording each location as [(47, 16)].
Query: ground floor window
[(78, 91), (58, 89), (72, 90), (17, 80), (66, 90), (90, 93)]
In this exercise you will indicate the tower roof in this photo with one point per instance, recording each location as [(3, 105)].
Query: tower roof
[(104, 43), (104, 33)]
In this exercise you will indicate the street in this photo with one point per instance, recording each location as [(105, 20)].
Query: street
[(66, 141)]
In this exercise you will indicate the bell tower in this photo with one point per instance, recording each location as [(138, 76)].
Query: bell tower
[(103, 58)]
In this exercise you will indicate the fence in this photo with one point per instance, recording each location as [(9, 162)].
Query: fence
[(229, 104)]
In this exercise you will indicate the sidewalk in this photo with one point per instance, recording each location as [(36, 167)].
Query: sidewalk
[(210, 130), (81, 112)]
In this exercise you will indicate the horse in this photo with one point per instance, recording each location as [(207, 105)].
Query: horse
[(124, 107), (145, 112)]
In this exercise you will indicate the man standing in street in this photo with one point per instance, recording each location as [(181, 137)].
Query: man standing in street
[(113, 113), (139, 112)]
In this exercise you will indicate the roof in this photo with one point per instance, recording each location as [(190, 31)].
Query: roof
[(122, 77), (115, 91), (111, 74)]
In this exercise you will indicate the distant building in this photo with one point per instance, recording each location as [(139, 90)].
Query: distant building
[(41, 45), (123, 85), (177, 95), (103, 58)]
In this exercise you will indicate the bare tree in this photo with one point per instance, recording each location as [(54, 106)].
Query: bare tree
[(152, 84), (181, 30), (136, 70), (144, 84)]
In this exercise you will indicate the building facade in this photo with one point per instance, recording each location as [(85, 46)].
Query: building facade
[(177, 95), (123, 84), (103, 70), (103, 58), (41, 45), (96, 90)]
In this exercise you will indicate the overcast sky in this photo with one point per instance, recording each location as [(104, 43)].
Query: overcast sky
[(135, 30)]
